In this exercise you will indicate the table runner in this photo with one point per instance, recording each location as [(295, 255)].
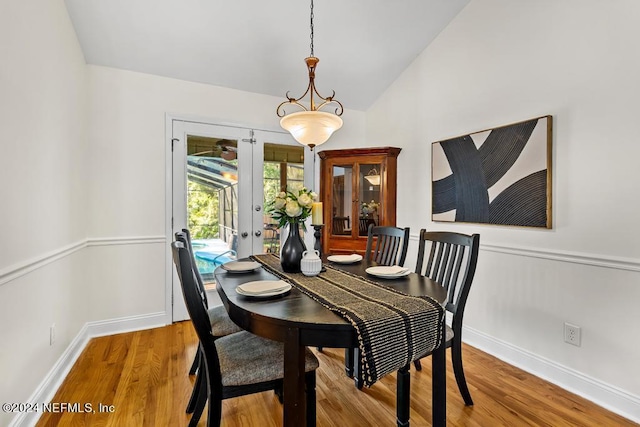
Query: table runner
[(393, 328)]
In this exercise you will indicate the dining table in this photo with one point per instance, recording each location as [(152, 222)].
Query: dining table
[(298, 321)]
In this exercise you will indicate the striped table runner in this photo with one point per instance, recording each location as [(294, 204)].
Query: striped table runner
[(393, 328)]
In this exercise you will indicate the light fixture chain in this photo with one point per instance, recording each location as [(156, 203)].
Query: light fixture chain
[(311, 127), (311, 36)]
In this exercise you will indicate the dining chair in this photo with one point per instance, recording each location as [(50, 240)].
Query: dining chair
[(386, 246), (450, 259), (237, 364), (221, 325)]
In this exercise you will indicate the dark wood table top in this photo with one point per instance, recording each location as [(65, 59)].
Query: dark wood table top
[(323, 328)]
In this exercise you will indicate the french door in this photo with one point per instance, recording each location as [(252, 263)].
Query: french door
[(229, 171)]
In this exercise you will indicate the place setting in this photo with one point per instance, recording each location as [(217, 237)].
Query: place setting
[(241, 266), (345, 259), (263, 289), (388, 272)]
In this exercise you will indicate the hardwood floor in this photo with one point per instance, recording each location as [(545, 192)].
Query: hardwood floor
[(143, 375)]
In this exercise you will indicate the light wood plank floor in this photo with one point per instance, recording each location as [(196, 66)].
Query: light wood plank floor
[(144, 375)]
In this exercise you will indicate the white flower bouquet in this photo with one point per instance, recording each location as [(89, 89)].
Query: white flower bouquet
[(292, 207)]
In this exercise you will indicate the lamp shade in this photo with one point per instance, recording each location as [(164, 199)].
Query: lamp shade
[(373, 179), (311, 127)]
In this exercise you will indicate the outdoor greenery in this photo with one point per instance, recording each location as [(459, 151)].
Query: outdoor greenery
[(202, 206), (203, 202)]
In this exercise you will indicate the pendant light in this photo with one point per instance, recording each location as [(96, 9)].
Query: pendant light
[(373, 177), (311, 126)]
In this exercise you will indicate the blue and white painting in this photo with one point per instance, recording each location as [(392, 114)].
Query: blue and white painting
[(497, 176)]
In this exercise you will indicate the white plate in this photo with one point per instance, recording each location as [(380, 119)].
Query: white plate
[(263, 288), (392, 271), (241, 266), (345, 259)]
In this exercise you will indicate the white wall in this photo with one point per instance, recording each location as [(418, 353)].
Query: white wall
[(127, 167), (500, 62), (128, 145), (42, 191)]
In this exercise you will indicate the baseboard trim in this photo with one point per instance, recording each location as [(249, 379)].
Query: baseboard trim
[(602, 394), (52, 381)]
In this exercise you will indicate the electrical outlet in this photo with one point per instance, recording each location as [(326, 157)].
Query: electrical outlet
[(572, 334), (52, 334)]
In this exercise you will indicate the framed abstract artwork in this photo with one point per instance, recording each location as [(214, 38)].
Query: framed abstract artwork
[(496, 176)]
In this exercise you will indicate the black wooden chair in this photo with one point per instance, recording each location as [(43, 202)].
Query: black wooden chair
[(221, 325), (386, 246), (236, 364), (451, 261)]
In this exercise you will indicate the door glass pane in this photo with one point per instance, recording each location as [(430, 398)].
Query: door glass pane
[(341, 205), (283, 171), (369, 196), (212, 200)]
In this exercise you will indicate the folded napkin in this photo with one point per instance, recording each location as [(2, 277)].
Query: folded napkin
[(263, 287), (390, 270)]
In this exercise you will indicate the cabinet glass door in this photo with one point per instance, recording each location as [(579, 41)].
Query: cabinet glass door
[(342, 214), (369, 199)]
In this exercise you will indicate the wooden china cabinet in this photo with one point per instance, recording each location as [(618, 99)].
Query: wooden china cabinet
[(357, 188)]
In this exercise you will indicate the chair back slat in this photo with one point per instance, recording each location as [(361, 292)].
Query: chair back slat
[(184, 236), (386, 249), (460, 254), (387, 245)]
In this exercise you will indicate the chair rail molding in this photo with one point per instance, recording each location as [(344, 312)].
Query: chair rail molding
[(605, 261), (135, 240), (15, 271), (20, 269)]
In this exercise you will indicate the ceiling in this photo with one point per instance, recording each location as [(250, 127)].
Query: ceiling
[(260, 46)]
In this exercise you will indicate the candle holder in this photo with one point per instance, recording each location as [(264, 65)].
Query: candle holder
[(318, 238)]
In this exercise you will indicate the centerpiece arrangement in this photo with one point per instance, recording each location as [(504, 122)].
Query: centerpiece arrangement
[(292, 208)]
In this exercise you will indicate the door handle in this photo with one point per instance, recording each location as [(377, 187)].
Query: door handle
[(244, 234), (258, 233)]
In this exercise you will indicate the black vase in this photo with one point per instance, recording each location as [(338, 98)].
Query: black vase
[(292, 250)]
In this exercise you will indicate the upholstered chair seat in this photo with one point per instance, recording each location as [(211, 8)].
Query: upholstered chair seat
[(249, 359), (221, 324)]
